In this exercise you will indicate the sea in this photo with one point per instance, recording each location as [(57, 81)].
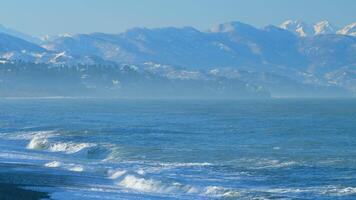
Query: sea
[(180, 149)]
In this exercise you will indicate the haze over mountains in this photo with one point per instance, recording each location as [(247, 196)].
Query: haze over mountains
[(230, 60)]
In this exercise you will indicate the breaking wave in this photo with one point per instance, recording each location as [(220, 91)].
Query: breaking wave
[(217, 191), (330, 190), (138, 182), (70, 167), (42, 141), (185, 164), (153, 186)]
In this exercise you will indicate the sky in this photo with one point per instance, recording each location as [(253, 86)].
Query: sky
[(51, 17)]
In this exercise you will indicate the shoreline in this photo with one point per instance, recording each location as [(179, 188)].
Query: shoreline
[(16, 192)]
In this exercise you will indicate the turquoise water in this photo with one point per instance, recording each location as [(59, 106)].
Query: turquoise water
[(121, 149)]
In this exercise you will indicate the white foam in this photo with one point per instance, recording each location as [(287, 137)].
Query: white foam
[(267, 163), (279, 164), (41, 142), (144, 185), (216, 191), (346, 191), (288, 190), (70, 167), (185, 164), (38, 142), (141, 171), (69, 148), (153, 186), (324, 190), (76, 168), (114, 174), (53, 164), (339, 190)]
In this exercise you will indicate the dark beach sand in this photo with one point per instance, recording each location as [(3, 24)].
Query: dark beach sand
[(15, 192), (13, 181)]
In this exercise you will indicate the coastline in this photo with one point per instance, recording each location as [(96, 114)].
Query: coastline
[(16, 192)]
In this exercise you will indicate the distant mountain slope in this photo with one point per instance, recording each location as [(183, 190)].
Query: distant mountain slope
[(12, 43), (232, 44), (329, 52), (16, 49), (18, 34), (186, 47), (292, 60), (13, 48)]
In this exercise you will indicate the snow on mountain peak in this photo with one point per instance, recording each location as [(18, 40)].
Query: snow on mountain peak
[(323, 27), (348, 30), (297, 27), (303, 29)]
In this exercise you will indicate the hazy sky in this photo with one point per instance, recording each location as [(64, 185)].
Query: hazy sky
[(40, 17)]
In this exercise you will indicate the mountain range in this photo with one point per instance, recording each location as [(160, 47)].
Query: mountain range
[(294, 59), (303, 29)]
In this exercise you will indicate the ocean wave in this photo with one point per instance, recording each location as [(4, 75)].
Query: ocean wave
[(70, 167), (140, 183), (158, 167), (330, 190), (29, 135), (153, 186), (115, 154), (114, 174), (42, 141), (53, 164), (263, 163), (216, 191), (185, 164), (339, 190), (76, 168), (277, 164)]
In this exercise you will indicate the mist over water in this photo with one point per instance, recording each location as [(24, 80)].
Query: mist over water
[(186, 149)]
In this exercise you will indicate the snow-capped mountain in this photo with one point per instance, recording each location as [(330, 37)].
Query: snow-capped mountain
[(13, 48), (277, 59), (348, 30), (16, 49), (323, 27), (233, 44), (303, 29), (299, 28)]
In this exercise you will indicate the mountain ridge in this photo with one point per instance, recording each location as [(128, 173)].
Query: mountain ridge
[(274, 58), (303, 29)]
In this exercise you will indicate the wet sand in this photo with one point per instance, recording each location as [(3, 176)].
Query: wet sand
[(15, 192)]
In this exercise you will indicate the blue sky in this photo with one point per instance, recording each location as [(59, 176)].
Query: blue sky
[(40, 17)]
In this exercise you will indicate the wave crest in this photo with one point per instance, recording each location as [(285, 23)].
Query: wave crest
[(153, 186), (41, 142)]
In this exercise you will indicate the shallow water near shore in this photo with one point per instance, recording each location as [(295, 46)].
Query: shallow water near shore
[(151, 149)]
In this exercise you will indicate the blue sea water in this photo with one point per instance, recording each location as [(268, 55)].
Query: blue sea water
[(151, 149)]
